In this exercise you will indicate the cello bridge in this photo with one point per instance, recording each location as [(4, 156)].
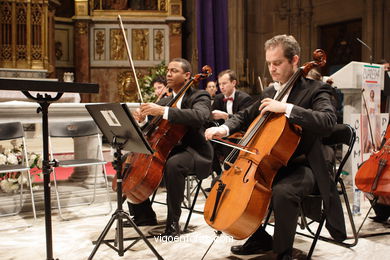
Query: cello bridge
[(237, 169)]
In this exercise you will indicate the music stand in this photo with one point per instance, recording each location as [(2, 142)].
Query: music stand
[(118, 125), (44, 101)]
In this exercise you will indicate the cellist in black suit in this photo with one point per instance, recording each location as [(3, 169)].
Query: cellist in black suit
[(309, 105), (193, 155)]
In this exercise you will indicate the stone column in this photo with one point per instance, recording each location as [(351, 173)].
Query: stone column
[(236, 30), (81, 45), (81, 54), (84, 147), (175, 35), (174, 22)]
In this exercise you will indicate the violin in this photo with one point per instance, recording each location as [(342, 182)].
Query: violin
[(240, 200), (146, 171)]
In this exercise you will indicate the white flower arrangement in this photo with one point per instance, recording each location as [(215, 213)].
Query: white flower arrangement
[(11, 182)]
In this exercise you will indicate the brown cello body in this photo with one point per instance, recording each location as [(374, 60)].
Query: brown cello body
[(373, 175), (239, 201), (143, 173), (248, 182)]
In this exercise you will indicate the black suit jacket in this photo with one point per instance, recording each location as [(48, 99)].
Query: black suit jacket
[(314, 112), (194, 113), (241, 101)]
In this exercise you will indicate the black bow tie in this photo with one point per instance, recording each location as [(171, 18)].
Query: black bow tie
[(227, 99)]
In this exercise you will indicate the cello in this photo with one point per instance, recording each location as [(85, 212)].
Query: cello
[(373, 176), (143, 173), (238, 204)]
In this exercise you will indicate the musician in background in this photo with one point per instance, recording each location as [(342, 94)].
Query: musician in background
[(228, 102), (192, 156), (211, 87), (314, 74), (159, 85), (308, 105), (161, 90)]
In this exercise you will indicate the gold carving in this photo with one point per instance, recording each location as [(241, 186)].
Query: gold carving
[(127, 90), (159, 45), (175, 9), (81, 28), (163, 5), (99, 44), (175, 28), (117, 45), (81, 7), (24, 27), (58, 50), (140, 44)]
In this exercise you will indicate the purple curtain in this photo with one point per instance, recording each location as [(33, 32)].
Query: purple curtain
[(212, 32)]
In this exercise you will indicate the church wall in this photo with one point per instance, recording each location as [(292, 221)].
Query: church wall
[(93, 47), (111, 81), (303, 19)]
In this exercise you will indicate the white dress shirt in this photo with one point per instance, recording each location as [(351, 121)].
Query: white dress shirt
[(229, 103), (278, 89), (178, 105)]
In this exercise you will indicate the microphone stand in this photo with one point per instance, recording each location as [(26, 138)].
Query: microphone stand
[(364, 44)]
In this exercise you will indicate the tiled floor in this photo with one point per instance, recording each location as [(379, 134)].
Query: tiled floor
[(73, 239)]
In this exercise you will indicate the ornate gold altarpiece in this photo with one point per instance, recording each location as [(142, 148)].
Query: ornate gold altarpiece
[(153, 30), (24, 34), (89, 43)]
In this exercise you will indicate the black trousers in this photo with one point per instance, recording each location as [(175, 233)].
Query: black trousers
[(382, 211), (290, 185), (177, 168)]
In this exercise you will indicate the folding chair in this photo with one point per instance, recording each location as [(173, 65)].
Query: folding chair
[(14, 131), (76, 130), (341, 134)]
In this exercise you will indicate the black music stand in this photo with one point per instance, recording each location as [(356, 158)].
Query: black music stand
[(118, 125), (44, 102)]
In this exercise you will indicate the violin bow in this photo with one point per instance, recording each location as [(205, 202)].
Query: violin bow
[(130, 58)]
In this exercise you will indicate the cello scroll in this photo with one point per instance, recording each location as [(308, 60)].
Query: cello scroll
[(319, 60)]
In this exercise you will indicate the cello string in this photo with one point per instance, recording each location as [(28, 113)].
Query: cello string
[(245, 140)]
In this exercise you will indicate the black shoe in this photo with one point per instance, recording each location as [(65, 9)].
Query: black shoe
[(141, 222), (379, 219), (207, 189), (171, 230), (254, 245)]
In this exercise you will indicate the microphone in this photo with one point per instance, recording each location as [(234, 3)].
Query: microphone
[(363, 43)]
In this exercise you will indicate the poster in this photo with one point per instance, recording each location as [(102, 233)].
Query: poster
[(370, 116)]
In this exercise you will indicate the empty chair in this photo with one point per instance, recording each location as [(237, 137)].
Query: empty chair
[(75, 130), (14, 131)]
